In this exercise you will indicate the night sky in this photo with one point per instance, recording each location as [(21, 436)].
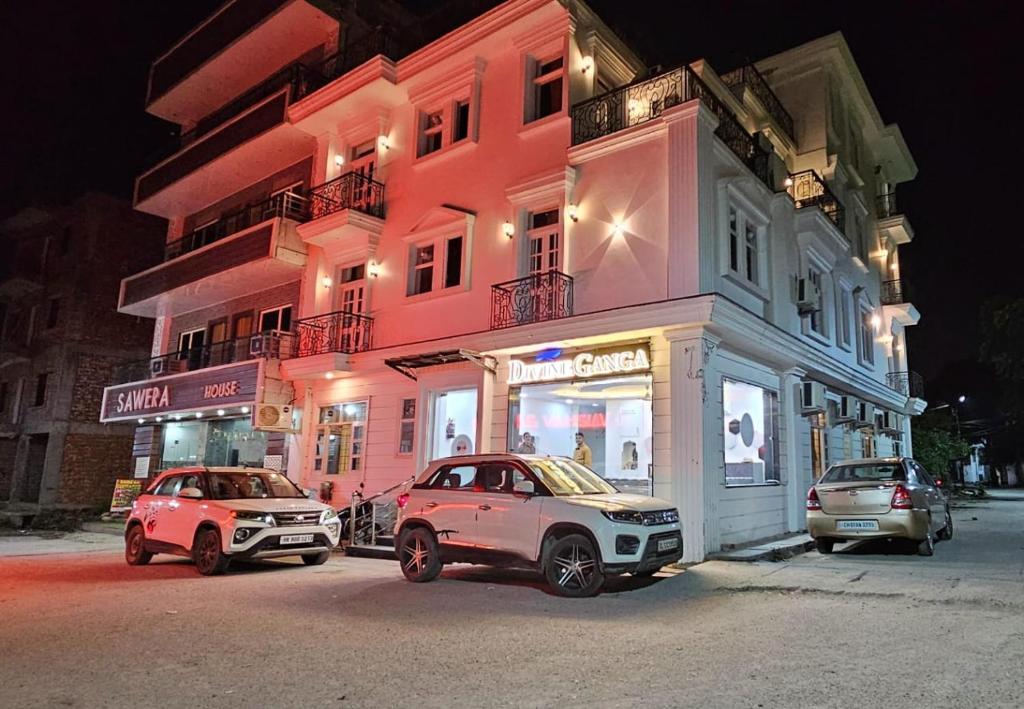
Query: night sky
[(948, 73)]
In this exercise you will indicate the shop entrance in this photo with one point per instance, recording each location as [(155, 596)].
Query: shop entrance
[(453, 423), (217, 442)]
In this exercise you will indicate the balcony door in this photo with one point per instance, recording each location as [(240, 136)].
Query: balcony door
[(352, 301), (217, 336), (363, 162), (190, 350), (544, 255)]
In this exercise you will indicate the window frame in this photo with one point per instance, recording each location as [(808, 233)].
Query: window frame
[(404, 420), (42, 389), (865, 335), (280, 313), (740, 219), (446, 107), (440, 263), (544, 232), (535, 81), (324, 428), (773, 476), (844, 316)]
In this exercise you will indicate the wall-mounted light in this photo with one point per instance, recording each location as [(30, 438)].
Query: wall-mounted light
[(339, 159), (199, 414), (618, 228), (177, 417), (159, 419), (245, 409), (142, 420), (876, 322), (788, 182), (587, 64), (572, 211), (508, 229), (328, 375), (882, 254), (326, 282), (383, 143), (220, 412), (374, 269)]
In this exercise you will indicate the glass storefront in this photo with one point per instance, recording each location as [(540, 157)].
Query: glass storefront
[(604, 423), (215, 442), (751, 430), (453, 423)]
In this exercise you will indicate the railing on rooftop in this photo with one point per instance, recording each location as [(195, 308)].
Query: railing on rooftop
[(646, 99), (535, 298), (808, 190), (340, 331), (885, 205), (349, 191), (287, 205), (748, 76), (906, 383), (892, 292)]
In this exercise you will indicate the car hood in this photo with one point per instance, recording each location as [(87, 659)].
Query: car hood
[(620, 501), (298, 504)]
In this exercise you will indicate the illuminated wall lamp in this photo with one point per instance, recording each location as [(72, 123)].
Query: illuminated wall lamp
[(508, 229), (382, 141), (339, 159), (618, 228), (587, 64), (326, 282), (374, 269), (572, 211), (876, 322)]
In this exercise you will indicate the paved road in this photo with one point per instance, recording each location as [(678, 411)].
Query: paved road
[(866, 627)]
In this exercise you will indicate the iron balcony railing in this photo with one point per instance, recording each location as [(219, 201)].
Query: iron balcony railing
[(645, 100), (287, 205), (892, 292), (748, 76), (808, 190), (535, 298), (381, 40), (339, 331), (349, 191), (271, 344), (906, 383), (885, 205)]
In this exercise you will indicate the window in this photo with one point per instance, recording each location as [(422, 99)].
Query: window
[(866, 339), (341, 438), (169, 486), (544, 92), (276, 319), (459, 477), (744, 247), (431, 132), (53, 314), (816, 319), (427, 273), (867, 443), (41, 381), (190, 341), (751, 425), (446, 124), (819, 445), (844, 318), (544, 238), (407, 427), (460, 130)]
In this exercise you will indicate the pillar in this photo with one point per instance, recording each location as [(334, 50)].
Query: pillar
[(792, 460)]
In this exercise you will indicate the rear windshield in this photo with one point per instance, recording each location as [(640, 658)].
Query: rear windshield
[(869, 472)]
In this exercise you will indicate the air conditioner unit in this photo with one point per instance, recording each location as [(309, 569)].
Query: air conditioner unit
[(812, 397), (272, 417), (846, 410), (808, 297), (157, 366), (865, 414)]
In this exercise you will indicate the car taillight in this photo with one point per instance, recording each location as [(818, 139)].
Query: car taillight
[(813, 502), (403, 500), (901, 499)]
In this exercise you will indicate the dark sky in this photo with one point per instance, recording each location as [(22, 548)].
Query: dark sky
[(948, 73)]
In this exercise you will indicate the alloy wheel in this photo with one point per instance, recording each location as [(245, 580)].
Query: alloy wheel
[(208, 552), (575, 568), (417, 555)]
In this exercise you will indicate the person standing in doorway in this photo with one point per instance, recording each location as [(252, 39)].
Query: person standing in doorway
[(582, 454), (527, 446)]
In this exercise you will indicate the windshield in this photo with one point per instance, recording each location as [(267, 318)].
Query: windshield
[(254, 485), (867, 472), (566, 477)]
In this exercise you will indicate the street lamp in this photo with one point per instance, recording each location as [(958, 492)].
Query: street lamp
[(956, 411)]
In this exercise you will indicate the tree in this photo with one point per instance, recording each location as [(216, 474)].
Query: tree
[(1002, 347), (936, 447)]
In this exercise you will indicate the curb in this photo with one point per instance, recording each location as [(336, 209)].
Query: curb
[(772, 551)]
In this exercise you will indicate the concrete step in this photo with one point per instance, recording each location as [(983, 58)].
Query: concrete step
[(371, 552), (776, 550)]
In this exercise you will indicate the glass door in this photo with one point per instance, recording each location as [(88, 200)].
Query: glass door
[(363, 162)]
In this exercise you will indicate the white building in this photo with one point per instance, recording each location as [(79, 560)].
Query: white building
[(513, 230)]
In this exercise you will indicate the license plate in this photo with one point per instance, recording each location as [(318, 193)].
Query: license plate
[(857, 524), (296, 538), (666, 544)]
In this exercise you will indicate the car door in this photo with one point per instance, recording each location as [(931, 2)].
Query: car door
[(450, 505), (935, 500), (506, 522), (182, 514), (157, 518)]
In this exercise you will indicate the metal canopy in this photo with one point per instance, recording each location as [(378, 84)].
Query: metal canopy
[(408, 365)]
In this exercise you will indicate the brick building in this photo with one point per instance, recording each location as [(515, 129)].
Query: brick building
[(60, 341)]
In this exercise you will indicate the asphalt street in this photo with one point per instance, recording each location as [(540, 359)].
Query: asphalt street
[(869, 626)]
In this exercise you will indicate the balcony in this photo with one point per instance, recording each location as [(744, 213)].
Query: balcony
[(906, 383), (645, 100), (892, 223), (242, 253), (536, 298), (748, 79), (346, 215), (892, 293), (242, 42), (214, 354), (321, 345), (808, 190)]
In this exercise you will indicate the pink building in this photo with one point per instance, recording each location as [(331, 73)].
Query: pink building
[(392, 245)]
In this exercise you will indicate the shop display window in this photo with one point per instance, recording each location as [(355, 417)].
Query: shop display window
[(213, 442), (454, 423), (341, 438), (751, 424)]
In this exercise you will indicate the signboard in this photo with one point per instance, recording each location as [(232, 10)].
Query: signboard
[(142, 466), (552, 366), (201, 390), (125, 492)]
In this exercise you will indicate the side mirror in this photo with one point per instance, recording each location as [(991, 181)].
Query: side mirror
[(523, 487), (190, 493)]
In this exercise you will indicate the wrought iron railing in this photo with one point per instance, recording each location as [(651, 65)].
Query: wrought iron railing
[(358, 50), (349, 191), (535, 298), (748, 76), (808, 190), (287, 205), (339, 331), (885, 205), (270, 344), (906, 383), (892, 292), (645, 100)]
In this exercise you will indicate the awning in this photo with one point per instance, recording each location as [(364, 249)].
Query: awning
[(408, 365)]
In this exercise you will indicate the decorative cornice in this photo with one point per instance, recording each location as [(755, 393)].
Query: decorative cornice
[(557, 183), (442, 86)]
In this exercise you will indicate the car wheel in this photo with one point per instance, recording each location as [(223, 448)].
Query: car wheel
[(207, 554), (947, 532), (926, 547), (824, 545), (135, 547), (316, 559), (573, 568), (419, 555)]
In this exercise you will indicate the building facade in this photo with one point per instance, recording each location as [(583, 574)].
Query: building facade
[(59, 347), (510, 236)]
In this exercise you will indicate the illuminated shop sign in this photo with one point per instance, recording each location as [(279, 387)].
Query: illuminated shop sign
[(581, 365)]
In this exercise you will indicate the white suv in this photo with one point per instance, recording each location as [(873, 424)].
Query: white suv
[(546, 513), (215, 515)]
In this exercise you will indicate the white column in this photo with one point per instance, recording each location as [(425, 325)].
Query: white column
[(695, 488), (324, 168), (162, 336), (792, 461)]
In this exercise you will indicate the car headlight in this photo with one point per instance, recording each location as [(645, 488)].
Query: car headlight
[(625, 516), (328, 515), (264, 517)]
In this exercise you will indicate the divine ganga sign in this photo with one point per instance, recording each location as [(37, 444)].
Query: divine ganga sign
[(582, 366)]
